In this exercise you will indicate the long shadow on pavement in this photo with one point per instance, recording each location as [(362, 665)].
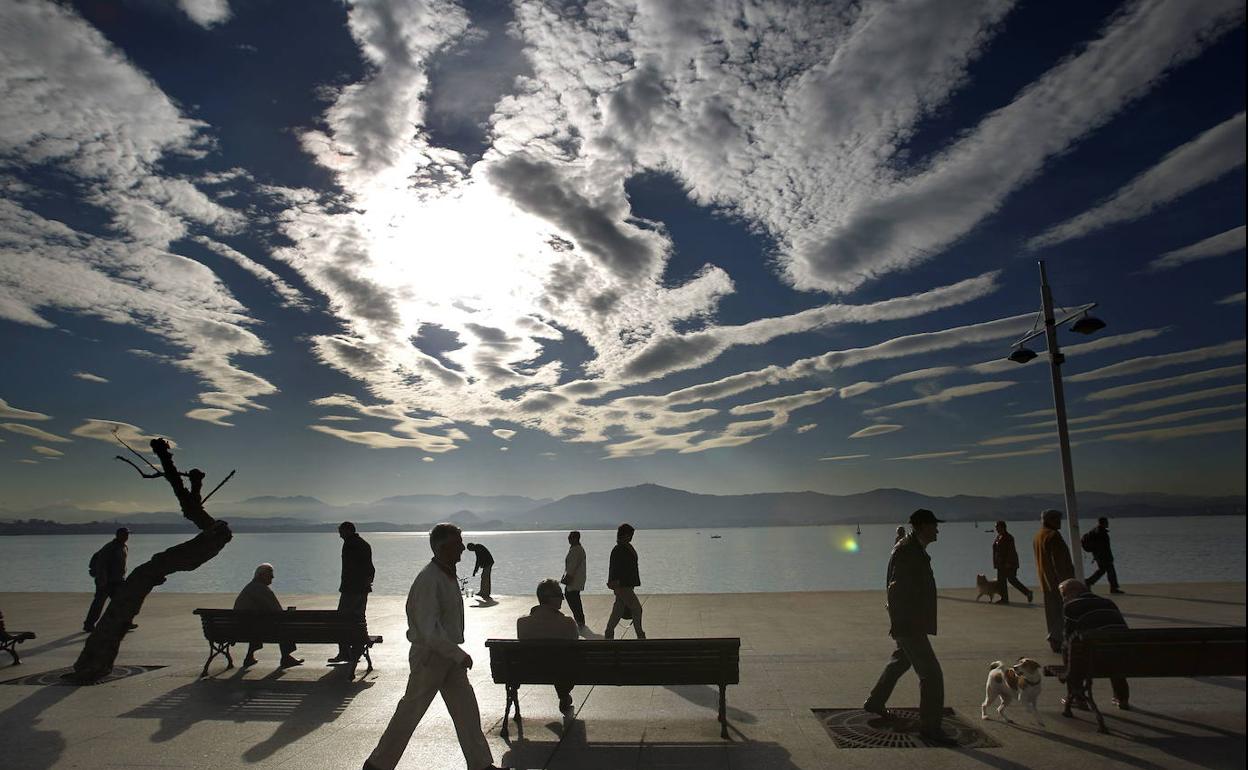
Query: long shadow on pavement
[(300, 707), (25, 746), (708, 697)]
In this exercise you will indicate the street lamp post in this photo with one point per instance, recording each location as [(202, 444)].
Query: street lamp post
[(1084, 324)]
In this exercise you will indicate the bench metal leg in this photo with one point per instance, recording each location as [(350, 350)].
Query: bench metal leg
[(723, 711), (215, 649), (1100, 720), (10, 646), (507, 711), (368, 658)]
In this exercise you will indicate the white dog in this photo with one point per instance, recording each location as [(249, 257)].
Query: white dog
[(1019, 682)]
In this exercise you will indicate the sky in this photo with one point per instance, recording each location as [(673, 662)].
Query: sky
[(361, 249)]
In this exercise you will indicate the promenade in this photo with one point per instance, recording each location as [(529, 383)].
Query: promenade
[(799, 651)]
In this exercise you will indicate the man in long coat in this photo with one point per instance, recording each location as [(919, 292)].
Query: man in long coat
[(1053, 565), (1005, 561)]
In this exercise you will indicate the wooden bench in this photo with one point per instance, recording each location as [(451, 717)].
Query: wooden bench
[(615, 662), (9, 642), (1149, 652), (225, 628)]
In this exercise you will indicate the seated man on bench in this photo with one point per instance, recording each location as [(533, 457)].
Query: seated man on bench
[(545, 621), (1082, 611), (256, 596)]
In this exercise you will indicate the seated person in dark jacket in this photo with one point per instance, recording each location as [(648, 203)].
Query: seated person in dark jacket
[(1083, 610), (256, 596), (545, 621)]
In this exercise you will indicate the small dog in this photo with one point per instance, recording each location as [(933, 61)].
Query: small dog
[(988, 587), (1020, 682)]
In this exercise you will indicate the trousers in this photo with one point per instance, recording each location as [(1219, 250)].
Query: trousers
[(485, 581), (624, 597), (1010, 577), (574, 604), (354, 604), (1105, 569), (914, 652), (1053, 619), (431, 674), (102, 594)]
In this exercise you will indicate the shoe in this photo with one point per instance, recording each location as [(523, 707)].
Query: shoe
[(88, 629), (370, 766), (1076, 703), (565, 704), (132, 626), (1030, 596), (247, 662), (939, 738), (338, 659), (1117, 591), (1002, 601), (879, 711), (1122, 705), (289, 661)]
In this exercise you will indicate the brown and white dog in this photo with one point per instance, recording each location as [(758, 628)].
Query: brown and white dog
[(988, 587), (1019, 682)]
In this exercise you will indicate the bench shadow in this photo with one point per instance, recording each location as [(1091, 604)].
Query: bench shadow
[(1011, 606), (483, 603), (300, 707), (1229, 682), (1188, 599), (1090, 748), (1168, 619), (22, 739), (707, 696), (572, 751), (78, 637)]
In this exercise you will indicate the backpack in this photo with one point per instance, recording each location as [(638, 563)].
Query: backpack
[(97, 558), (1089, 540)]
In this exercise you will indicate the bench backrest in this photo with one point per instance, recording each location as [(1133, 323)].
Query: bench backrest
[(1159, 652), (291, 625), (615, 662)]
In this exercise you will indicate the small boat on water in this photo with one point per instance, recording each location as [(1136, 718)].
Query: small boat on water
[(716, 537)]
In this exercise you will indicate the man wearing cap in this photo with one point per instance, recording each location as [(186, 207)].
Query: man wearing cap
[(1053, 565), (911, 606)]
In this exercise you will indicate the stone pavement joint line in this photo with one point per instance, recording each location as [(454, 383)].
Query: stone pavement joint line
[(799, 652)]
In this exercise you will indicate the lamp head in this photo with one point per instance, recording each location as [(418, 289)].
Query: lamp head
[(1022, 355), (1087, 324)]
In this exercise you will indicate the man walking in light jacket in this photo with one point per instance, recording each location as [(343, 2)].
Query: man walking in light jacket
[(574, 577)]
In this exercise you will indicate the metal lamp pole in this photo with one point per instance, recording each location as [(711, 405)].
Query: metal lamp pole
[(1059, 406)]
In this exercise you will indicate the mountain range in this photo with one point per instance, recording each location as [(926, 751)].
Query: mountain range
[(650, 506)]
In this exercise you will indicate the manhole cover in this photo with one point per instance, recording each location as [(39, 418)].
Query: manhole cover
[(857, 729), (56, 676)]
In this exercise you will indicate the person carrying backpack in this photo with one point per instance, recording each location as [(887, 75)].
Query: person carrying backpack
[(1096, 542), (108, 567)]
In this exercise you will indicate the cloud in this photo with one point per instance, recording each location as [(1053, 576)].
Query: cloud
[(376, 440), (206, 13), (1206, 158), (1040, 450), (1125, 391), (839, 458), (29, 461), (1184, 431), (1160, 419), (948, 394), (1232, 299), (13, 413), (875, 430), (33, 432), (806, 428), (89, 377), (503, 433), (1156, 403), (931, 455), (214, 416), (1235, 239), (1149, 363), (103, 430), (48, 451)]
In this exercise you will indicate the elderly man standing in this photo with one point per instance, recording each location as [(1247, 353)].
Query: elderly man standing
[(574, 577), (357, 582), (256, 596), (912, 619), (435, 627), (1053, 565), (545, 621), (108, 567), (1083, 611)]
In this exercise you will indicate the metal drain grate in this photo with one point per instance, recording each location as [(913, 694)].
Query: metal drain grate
[(857, 729), (56, 676)]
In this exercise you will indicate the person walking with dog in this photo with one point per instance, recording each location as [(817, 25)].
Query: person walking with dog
[(1096, 542), (574, 577), (1084, 611), (911, 591), (623, 577), (435, 627), (1005, 562), (1053, 565)]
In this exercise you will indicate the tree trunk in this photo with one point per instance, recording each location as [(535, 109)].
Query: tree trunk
[(102, 646)]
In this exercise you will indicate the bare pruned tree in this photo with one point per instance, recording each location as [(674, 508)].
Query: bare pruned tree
[(102, 646)]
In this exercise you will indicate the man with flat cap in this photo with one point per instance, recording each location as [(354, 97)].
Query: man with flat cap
[(911, 606)]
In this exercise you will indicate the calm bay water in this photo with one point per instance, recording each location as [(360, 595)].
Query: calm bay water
[(757, 559)]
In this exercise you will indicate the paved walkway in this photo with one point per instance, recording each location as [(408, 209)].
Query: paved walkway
[(800, 651)]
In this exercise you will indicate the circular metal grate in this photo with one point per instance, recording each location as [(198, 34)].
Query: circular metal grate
[(57, 676), (857, 729)]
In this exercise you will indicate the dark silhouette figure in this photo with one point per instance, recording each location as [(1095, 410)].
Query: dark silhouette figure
[(901, 533), (1005, 561), (256, 596), (1096, 542), (435, 627), (108, 567), (574, 577), (911, 589), (1083, 610), (623, 576), (485, 564), (357, 582), (545, 621), (1053, 565)]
